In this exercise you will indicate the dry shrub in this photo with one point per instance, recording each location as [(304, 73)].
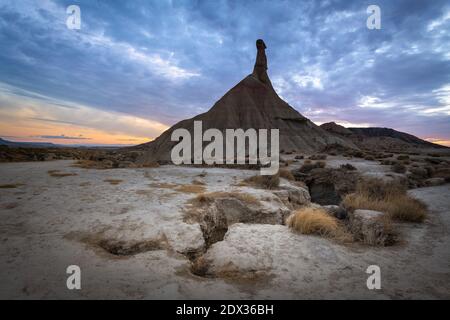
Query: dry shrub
[(163, 185), (286, 174), (313, 221), (403, 157), (407, 209), (378, 189), (113, 181), (190, 188), (210, 197), (59, 174), (348, 166), (91, 164), (308, 166), (318, 157), (388, 197), (10, 186), (200, 267), (398, 168), (266, 182), (151, 165)]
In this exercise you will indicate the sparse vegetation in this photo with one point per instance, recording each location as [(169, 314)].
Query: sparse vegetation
[(59, 174), (190, 188), (398, 168), (318, 157), (308, 166), (266, 182), (90, 164), (200, 267), (348, 166), (163, 185), (388, 197), (403, 157), (316, 221), (113, 181), (209, 197), (10, 185), (151, 165), (286, 174)]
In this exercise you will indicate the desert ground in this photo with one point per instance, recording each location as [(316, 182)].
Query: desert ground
[(130, 232)]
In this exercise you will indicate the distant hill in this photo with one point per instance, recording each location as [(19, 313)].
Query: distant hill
[(13, 144), (379, 138)]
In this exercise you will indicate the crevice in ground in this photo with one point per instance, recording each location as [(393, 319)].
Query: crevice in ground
[(119, 247)]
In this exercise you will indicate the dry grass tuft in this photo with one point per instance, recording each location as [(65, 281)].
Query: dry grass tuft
[(313, 221), (266, 182), (308, 166), (398, 168), (210, 197), (200, 267), (163, 185), (90, 164), (190, 188), (151, 165), (113, 181), (286, 174), (10, 186), (388, 197), (59, 174)]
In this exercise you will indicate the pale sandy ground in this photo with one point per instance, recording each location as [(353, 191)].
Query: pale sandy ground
[(42, 220)]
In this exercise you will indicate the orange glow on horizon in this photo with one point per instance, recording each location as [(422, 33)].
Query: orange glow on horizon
[(35, 131)]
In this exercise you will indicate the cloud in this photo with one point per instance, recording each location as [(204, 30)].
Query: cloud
[(27, 113), (63, 137), (152, 64)]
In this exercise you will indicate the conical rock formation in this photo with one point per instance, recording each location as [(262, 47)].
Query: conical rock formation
[(252, 103)]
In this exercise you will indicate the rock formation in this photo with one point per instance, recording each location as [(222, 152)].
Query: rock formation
[(252, 103)]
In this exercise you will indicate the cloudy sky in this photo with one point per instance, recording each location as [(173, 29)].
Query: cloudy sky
[(136, 67)]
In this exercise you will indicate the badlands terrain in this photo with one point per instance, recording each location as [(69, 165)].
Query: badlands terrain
[(160, 233)]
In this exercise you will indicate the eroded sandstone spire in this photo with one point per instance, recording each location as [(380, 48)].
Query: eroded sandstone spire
[(260, 69)]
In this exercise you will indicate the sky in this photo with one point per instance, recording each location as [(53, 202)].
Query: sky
[(135, 68)]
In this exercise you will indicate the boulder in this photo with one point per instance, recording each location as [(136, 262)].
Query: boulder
[(227, 209), (293, 196), (336, 211), (371, 227)]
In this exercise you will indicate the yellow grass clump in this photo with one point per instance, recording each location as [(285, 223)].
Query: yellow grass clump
[(313, 221), (190, 188), (113, 181), (59, 174), (286, 174)]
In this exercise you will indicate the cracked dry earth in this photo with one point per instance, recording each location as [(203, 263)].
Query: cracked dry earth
[(129, 232)]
